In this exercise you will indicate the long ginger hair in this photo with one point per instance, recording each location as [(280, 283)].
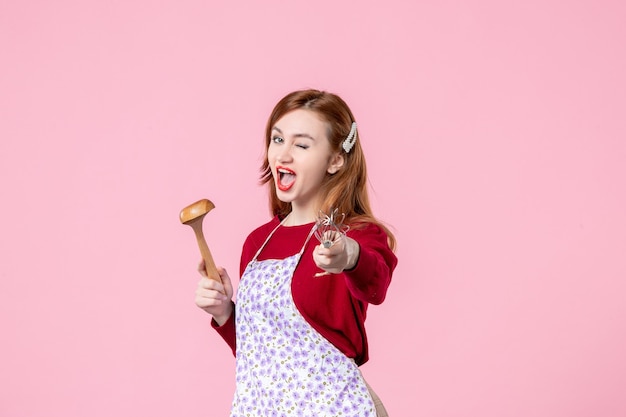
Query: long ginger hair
[(345, 190)]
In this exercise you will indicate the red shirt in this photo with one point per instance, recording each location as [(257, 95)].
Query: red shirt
[(336, 304)]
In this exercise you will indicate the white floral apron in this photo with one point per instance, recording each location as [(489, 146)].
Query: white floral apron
[(284, 367)]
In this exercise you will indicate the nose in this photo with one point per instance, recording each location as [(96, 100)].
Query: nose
[(284, 154)]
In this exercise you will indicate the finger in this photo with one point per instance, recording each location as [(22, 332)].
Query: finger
[(321, 250), (208, 301), (205, 283), (223, 273), (338, 246), (226, 282), (210, 294), (210, 284), (226, 286), (202, 268), (327, 258), (324, 262)]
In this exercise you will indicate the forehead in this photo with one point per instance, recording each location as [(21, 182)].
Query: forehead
[(302, 121)]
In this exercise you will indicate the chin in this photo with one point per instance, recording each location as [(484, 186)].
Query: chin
[(282, 197)]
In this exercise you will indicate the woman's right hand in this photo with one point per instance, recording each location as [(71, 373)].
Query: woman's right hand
[(215, 297)]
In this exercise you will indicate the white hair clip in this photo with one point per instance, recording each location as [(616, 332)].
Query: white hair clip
[(351, 139)]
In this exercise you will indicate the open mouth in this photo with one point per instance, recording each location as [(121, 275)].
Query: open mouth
[(285, 178)]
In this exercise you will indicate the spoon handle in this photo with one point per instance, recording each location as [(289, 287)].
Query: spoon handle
[(209, 264)]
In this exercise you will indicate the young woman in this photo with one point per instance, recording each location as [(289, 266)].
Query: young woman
[(297, 329)]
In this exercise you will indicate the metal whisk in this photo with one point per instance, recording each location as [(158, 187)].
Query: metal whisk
[(330, 228)]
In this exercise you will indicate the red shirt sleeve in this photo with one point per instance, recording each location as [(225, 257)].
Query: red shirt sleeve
[(369, 279), (227, 331)]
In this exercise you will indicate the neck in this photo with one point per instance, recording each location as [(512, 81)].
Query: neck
[(299, 216)]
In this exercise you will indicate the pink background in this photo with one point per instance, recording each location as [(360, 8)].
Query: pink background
[(496, 139)]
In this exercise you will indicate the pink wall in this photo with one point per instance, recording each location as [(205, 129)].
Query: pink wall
[(496, 142)]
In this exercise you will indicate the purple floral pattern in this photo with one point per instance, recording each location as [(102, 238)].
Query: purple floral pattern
[(284, 367)]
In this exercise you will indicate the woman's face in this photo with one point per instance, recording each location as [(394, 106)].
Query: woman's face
[(299, 156)]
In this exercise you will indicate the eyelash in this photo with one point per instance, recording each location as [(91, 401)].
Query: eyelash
[(278, 139)]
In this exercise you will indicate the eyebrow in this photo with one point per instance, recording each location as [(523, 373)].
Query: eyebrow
[(297, 135)]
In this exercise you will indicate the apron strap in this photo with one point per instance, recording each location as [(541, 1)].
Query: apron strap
[(272, 233), (308, 238)]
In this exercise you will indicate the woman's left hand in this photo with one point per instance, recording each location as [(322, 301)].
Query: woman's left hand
[(342, 255)]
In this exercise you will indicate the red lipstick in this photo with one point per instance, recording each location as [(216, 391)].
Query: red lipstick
[(285, 178)]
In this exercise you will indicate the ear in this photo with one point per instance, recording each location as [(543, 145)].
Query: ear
[(335, 163)]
